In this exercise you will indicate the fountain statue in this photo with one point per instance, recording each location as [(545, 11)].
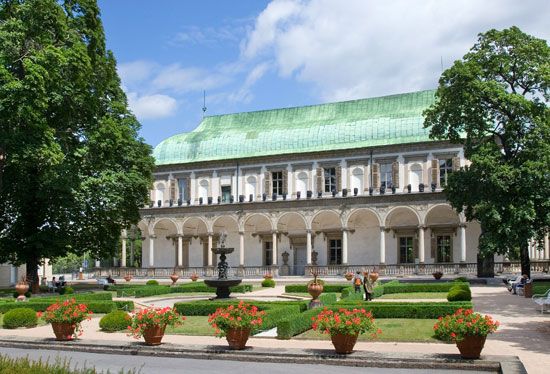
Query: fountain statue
[(223, 282)]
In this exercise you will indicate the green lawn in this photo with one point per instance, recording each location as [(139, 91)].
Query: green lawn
[(393, 330), (193, 325), (415, 295)]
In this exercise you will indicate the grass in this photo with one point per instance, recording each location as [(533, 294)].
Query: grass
[(393, 330), (24, 365), (415, 295), (193, 325)]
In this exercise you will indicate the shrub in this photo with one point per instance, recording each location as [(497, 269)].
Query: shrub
[(101, 306), (116, 320), (268, 282), (126, 305), (20, 317), (328, 298), (69, 290), (459, 294), (461, 279), (152, 282), (420, 287), (350, 294)]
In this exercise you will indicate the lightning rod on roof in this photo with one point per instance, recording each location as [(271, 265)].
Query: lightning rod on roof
[(203, 103)]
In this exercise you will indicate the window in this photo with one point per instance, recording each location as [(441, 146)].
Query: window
[(445, 169), (182, 189), (226, 194), (444, 253), (277, 182), (335, 251), (406, 250), (386, 175), (330, 179), (268, 253)]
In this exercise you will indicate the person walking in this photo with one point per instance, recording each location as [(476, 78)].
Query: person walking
[(357, 282), (367, 286)]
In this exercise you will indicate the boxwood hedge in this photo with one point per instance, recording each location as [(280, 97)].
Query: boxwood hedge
[(292, 288)]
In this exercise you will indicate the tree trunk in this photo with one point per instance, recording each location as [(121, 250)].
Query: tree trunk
[(32, 275), (524, 258)]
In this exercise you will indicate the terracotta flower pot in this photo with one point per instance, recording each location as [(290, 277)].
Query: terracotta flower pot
[(127, 278), (63, 330), (315, 290), (153, 334), (348, 277), (21, 288), (437, 275), (237, 338), (174, 278), (194, 278), (343, 344), (373, 276), (471, 346)]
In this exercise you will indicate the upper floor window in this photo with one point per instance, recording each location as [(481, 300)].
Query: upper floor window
[(386, 173), (445, 169), (181, 189), (226, 194), (330, 179), (277, 182)]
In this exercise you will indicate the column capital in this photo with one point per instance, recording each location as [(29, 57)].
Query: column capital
[(422, 227), (153, 236), (462, 225), (241, 232), (345, 229), (382, 228), (210, 233), (179, 235), (309, 231)]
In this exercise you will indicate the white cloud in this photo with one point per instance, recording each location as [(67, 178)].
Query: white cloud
[(208, 35), (180, 79), (244, 94), (151, 106), (135, 71), (363, 48)]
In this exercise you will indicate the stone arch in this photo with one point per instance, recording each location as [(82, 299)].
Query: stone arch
[(292, 221), (195, 226), (441, 214), (402, 216), (357, 217), (225, 223), (258, 222), (326, 220), (163, 224)]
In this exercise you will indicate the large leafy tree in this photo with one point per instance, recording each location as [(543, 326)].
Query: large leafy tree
[(495, 102), (73, 169)]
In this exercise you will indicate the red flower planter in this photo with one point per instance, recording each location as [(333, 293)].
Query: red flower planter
[(63, 330), (343, 344), (237, 338), (471, 346), (153, 334)]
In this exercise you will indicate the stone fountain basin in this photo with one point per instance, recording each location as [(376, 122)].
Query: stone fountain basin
[(229, 282)]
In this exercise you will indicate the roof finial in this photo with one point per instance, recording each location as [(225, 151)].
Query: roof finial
[(203, 103)]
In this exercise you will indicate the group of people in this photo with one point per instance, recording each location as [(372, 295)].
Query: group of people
[(513, 283), (364, 281)]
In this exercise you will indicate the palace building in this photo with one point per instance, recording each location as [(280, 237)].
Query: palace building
[(340, 187)]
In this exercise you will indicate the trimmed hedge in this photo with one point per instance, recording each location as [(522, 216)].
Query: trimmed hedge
[(328, 298), (96, 296), (350, 294), (421, 287), (116, 320), (295, 325), (152, 282), (145, 291), (268, 283), (292, 288), (459, 293), (127, 305), (20, 317), (40, 306)]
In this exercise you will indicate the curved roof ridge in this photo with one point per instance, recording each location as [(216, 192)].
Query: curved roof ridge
[(392, 119)]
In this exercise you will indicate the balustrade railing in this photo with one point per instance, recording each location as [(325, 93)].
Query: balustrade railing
[(396, 270)]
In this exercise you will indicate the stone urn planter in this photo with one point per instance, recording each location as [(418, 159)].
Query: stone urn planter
[(237, 338), (343, 344), (437, 275), (153, 334), (348, 276), (194, 277), (63, 331), (471, 346), (174, 278), (128, 278), (374, 276), (21, 288)]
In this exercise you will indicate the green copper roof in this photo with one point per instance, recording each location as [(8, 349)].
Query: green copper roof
[(395, 119)]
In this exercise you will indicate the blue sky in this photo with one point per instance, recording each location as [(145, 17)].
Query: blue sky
[(257, 54)]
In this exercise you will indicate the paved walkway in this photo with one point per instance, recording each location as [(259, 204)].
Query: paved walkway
[(524, 331)]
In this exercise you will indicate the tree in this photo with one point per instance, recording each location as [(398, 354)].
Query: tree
[(495, 102), (74, 170)]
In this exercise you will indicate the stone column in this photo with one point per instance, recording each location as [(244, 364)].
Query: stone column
[(152, 250), (123, 254), (382, 245), (180, 250), (241, 248), (274, 260), (209, 250), (308, 247), (421, 249), (344, 246), (462, 230), (289, 181)]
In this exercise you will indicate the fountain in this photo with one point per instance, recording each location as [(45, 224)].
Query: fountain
[(223, 282)]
